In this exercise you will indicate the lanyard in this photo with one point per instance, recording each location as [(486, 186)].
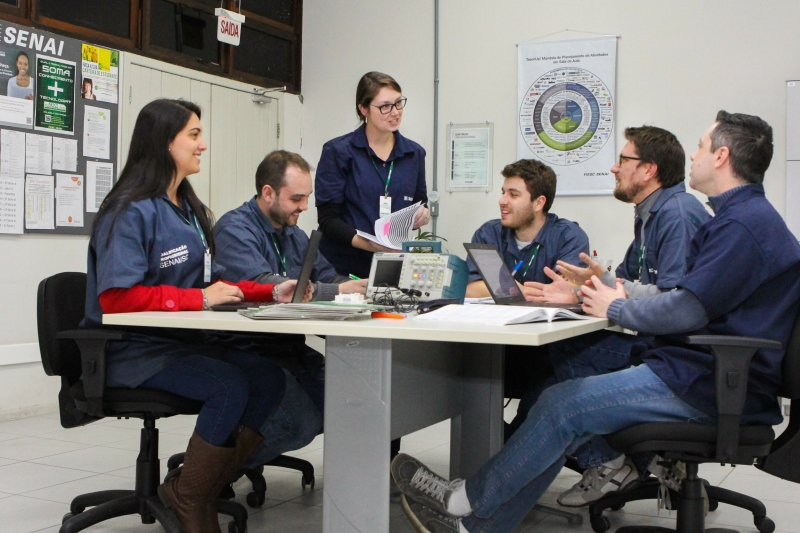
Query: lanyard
[(641, 260), (388, 178), (195, 223), (280, 255), (530, 261)]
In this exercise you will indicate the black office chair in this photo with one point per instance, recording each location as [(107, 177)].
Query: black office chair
[(725, 443), (78, 357)]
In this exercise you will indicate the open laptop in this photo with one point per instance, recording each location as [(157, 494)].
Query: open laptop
[(302, 279), (500, 282)]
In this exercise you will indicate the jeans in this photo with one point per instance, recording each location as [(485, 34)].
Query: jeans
[(235, 387), (595, 354), (567, 415)]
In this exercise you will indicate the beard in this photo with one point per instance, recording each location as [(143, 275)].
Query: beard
[(627, 195), (521, 220), (281, 217)]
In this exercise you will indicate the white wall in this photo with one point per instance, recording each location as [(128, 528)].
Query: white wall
[(679, 62)]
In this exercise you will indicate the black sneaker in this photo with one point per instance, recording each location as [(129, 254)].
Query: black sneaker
[(426, 520), (421, 484)]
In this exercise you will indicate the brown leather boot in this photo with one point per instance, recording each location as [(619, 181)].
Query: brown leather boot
[(188, 493), (247, 441)]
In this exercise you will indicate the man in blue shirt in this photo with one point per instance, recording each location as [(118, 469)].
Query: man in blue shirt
[(527, 235), (260, 241), (742, 278)]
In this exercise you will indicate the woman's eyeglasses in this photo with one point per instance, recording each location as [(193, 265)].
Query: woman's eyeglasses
[(385, 109)]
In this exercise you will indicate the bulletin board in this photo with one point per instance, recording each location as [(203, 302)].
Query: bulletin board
[(59, 111)]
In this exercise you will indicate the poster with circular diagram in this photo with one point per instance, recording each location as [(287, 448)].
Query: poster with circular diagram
[(566, 112)]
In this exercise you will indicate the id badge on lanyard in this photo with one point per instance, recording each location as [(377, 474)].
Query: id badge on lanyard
[(385, 206), (207, 267)]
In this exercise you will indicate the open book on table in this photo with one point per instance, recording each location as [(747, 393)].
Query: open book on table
[(499, 315), (395, 228)]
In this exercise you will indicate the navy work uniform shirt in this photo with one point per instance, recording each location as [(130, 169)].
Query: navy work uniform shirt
[(744, 268), (346, 175), (246, 243), (559, 238), (674, 218), (149, 245)]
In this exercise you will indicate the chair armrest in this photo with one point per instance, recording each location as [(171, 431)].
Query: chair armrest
[(732, 356), (92, 344)]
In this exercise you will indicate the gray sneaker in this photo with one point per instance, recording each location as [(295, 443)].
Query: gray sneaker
[(599, 481), (670, 474), (427, 520), (422, 485)]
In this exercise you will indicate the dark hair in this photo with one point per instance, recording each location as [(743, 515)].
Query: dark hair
[(660, 147), (369, 86), (272, 170), (539, 179), (749, 139), (16, 70), (150, 168)]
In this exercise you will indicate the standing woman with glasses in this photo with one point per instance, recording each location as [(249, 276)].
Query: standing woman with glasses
[(151, 250), (367, 174)]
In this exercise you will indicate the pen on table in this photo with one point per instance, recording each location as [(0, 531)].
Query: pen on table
[(381, 314), (354, 277), (516, 269)]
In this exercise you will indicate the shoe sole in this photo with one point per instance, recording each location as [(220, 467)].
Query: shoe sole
[(411, 516), (630, 486), (165, 501)]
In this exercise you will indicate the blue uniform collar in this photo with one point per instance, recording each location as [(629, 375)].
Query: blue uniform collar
[(264, 222), (666, 194), (401, 144), (735, 196), (511, 241)]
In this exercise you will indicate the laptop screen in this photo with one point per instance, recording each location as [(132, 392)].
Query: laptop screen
[(308, 266), (495, 274)]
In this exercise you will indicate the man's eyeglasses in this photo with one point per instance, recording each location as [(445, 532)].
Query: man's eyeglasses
[(622, 159), (385, 109)]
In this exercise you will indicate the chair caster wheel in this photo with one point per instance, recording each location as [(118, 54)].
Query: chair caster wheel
[(308, 482), (712, 505), (233, 528), (227, 493), (617, 507), (256, 499), (600, 524), (765, 525)]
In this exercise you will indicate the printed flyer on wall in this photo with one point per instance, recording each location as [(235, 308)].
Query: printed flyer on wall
[(55, 95), (100, 69), (16, 88)]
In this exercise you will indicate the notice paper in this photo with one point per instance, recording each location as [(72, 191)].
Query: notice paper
[(69, 200), (12, 204), (99, 179), (12, 154), (96, 132), (65, 154), (16, 112), (38, 154), (39, 202)]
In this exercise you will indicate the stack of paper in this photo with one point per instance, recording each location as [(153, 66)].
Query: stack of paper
[(499, 315), (304, 312), (395, 228)]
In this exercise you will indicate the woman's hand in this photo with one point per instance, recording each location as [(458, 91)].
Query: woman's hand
[(221, 293), (422, 217), (366, 244)]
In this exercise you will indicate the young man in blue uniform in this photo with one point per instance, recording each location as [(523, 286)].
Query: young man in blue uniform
[(528, 238), (650, 175), (259, 241), (742, 278)]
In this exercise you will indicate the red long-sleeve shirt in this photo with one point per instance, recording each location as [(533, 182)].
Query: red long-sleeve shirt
[(169, 298)]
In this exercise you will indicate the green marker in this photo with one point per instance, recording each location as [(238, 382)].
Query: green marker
[(354, 277)]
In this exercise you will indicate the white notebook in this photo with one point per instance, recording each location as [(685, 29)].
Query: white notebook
[(394, 229), (499, 315)]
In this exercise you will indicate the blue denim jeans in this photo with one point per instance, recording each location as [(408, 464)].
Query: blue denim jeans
[(236, 387), (567, 415), (594, 354)]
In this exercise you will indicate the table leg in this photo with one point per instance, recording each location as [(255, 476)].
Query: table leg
[(357, 435), (477, 433)]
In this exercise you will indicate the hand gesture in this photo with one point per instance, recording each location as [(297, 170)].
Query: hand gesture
[(221, 293), (559, 291), (580, 275), (422, 217), (597, 296)]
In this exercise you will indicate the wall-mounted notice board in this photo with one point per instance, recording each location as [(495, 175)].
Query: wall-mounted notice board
[(59, 107)]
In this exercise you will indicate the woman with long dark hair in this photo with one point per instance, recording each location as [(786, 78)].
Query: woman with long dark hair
[(20, 85), (151, 249), (367, 174)]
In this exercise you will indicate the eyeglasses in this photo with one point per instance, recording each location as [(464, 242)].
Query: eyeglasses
[(385, 109), (622, 159)]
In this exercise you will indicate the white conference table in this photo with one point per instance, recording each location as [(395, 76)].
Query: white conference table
[(385, 378)]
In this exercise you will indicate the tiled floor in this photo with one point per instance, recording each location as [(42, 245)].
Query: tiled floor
[(42, 466)]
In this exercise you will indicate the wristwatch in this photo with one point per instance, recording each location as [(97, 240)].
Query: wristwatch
[(275, 293), (206, 307)]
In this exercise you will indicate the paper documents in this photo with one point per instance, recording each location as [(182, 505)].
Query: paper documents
[(303, 312), (499, 315), (394, 229)]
